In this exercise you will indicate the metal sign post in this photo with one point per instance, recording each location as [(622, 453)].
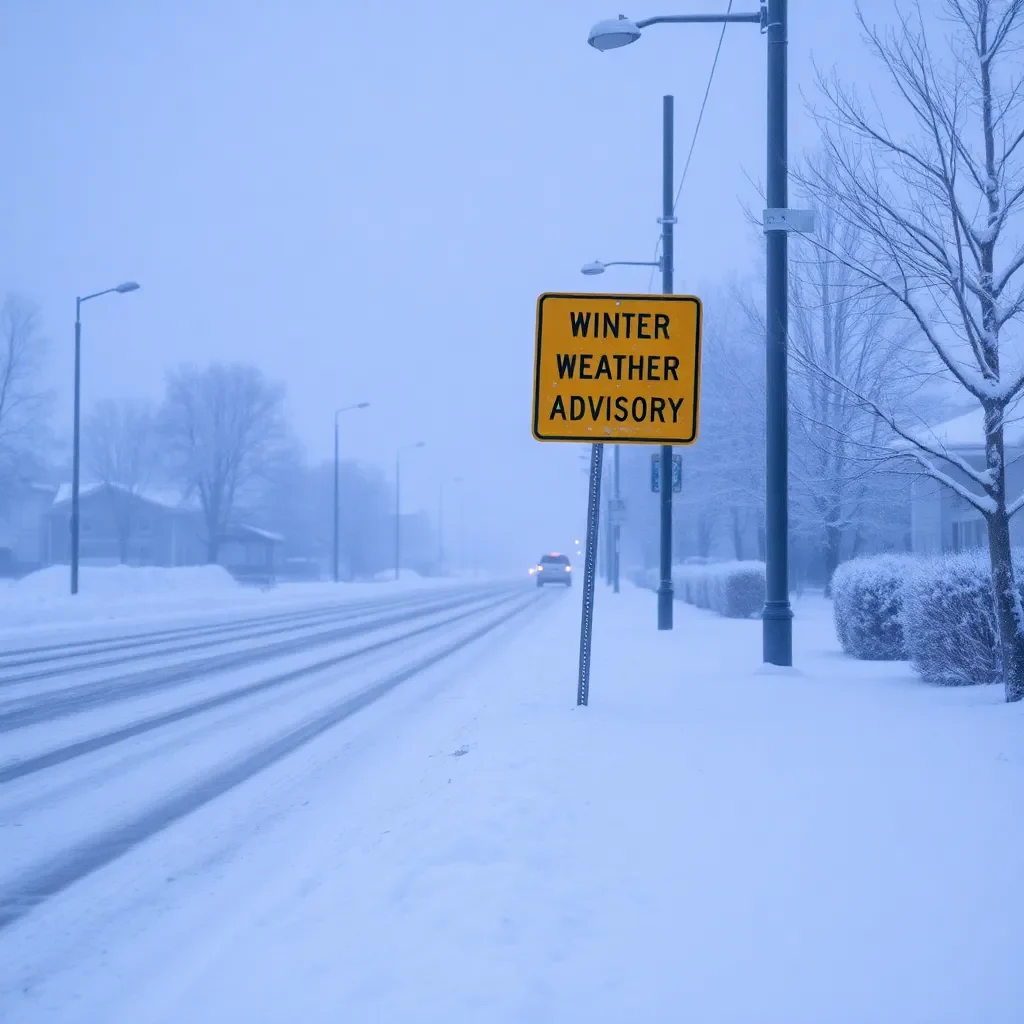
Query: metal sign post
[(589, 573)]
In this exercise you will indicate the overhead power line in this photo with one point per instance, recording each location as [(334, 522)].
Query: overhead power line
[(696, 131)]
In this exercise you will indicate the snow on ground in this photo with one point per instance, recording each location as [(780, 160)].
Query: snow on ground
[(120, 594), (707, 841)]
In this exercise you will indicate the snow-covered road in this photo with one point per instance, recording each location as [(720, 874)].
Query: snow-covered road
[(707, 841), (107, 742)]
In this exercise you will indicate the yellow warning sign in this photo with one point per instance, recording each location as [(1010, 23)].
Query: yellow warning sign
[(617, 368)]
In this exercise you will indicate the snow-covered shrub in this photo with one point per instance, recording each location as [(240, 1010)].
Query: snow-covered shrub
[(867, 603), (690, 584), (638, 576), (949, 619), (736, 588), (733, 589)]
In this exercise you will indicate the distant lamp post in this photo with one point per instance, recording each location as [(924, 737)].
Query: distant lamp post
[(612, 33), (615, 534), (121, 289), (440, 521), (592, 270), (337, 413), (398, 503), (597, 267)]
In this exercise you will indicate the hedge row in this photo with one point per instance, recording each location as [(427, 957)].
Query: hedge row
[(733, 589), (937, 612), (867, 602)]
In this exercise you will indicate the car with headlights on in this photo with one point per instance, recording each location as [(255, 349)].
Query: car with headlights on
[(553, 568)]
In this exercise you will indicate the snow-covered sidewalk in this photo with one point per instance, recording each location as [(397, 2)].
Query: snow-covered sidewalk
[(706, 842)]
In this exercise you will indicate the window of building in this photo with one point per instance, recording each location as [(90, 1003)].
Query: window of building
[(969, 535)]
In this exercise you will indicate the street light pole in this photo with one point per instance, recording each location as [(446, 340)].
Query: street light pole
[(614, 541), (440, 526), (398, 515), (398, 506), (336, 545), (665, 264), (665, 595), (441, 553), (777, 617), (76, 444)]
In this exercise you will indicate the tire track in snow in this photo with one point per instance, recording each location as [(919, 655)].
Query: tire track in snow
[(21, 712), (38, 884), (68, 752)]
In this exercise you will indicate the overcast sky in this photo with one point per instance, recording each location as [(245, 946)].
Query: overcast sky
[(366, 202)]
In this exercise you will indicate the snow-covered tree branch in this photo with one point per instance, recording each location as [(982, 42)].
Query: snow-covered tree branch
[(121, 452), (24, 403), (936, 215), (222, 427)]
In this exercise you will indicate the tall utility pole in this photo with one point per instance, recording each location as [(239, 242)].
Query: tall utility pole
[(607, 36), (772, 17), (668, 220), (777, 624)]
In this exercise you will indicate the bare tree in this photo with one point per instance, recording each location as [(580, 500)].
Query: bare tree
[(936, 209), (298, 501), (723, 476), (222, 427), (121, 452), (24, 403), (841, 330)]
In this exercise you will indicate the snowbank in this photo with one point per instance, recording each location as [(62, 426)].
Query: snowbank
[(148, 595), (404, 576), (124, 581)]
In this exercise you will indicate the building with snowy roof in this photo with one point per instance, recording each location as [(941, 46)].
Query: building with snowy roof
[(146, 527), (941, 518)]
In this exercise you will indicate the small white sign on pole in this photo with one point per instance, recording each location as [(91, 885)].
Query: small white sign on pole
[(781, 219)]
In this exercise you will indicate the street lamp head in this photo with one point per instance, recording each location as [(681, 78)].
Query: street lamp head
[(363, 405), (420, 444), (127, 286), (613, 33), (592, 269)]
